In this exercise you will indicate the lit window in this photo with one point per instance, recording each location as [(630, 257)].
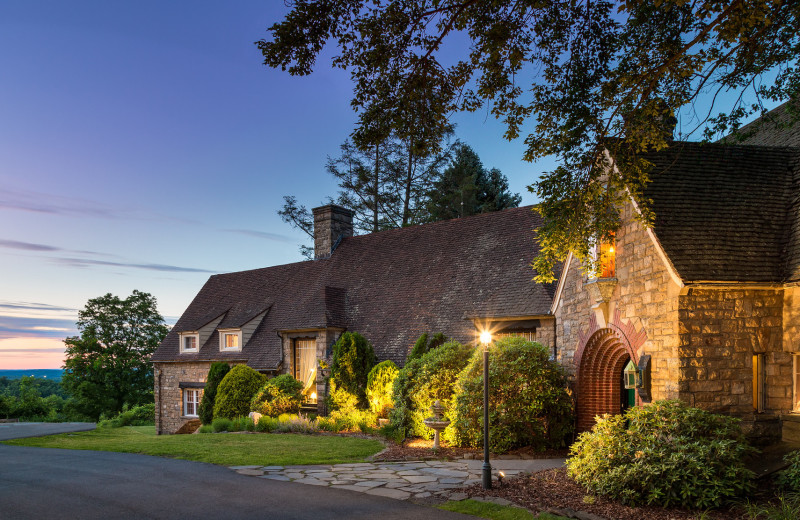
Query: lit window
[(189, 342), (305, 366), (607, 258), (796, 383), (191, 402), (758, 382), (230, 340)]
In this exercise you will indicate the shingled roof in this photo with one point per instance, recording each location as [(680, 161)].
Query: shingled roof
[(725, 212), (389, 286), (778, 127)]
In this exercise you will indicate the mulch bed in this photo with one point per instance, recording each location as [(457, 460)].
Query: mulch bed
[(554, 491)]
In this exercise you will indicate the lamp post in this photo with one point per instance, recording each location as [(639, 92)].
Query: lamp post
[(486, 474)]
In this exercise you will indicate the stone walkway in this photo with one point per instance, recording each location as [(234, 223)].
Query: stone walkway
[(399, 480)]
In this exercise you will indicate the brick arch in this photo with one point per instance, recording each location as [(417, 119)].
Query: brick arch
[(600, 362)]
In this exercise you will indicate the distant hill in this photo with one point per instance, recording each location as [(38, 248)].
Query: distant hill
[(51, 375)]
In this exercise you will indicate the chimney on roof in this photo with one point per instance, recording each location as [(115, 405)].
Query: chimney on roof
[(331, 224)]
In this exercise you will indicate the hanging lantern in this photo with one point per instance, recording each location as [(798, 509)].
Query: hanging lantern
[(630, 374)]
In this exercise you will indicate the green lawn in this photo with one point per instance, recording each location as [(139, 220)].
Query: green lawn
[(495, 511), (230, 449)]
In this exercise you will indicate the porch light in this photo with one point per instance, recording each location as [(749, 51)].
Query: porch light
[(486, 473), (631, 375)]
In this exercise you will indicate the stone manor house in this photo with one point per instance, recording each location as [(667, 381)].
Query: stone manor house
[(703, 307)]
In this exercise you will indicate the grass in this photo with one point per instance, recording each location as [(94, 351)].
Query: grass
[(228, 449), (495, 511)]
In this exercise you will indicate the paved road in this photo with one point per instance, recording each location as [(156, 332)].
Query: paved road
[(20, 430), (52, 483)]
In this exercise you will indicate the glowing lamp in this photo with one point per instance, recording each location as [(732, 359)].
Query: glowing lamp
[(486, 337), (313, 395)]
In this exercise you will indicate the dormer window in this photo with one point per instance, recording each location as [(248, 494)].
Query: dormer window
[(230, 340), (189, 342)]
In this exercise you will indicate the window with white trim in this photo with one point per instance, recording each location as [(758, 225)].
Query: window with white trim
[(230, 340), (191, 402), (189, 342)]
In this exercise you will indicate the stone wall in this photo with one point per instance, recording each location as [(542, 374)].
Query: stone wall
[(168, 394), (546, 333), (645, 303), (721, 329)]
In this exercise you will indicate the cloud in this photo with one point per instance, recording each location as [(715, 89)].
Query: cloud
[(40, 327), (33, 350), (22, 353), (27, 246), (54, 204), (261, 234), (85, 262), (29, 306)]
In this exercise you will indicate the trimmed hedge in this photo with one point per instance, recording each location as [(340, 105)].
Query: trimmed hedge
[(666, 454), (529, 404), (281, 394), (216, 372), (353, 358), (422, 381), (379, 387), (235, 392)]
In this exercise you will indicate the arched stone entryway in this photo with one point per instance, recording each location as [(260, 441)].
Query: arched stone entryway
[(599, 376)]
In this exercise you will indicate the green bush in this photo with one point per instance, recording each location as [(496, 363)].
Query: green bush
[(236, 390), (296, 424), (528, 399), (206, 428), (143, 415), (666, 454), (423, 346), (222, 424), (216, 373), (243, 424), (789, 479), (379, 387), (422, 381), (281, 394), (353, 358), (266, 424)]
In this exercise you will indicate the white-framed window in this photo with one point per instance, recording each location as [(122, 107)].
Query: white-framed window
[(191, 402), (796, 382), (230, 340), (190, 342)]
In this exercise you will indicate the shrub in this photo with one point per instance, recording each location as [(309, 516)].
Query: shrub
[(528, 399), (423, 346), (266, 424), (206, 428), (222, 424), (666, 454), (379, 387), (236, 390), (216, 373), (789, 479), (281, 394), (327, 424), (422, 381), (353, 358), (143, 415), (296, 424)]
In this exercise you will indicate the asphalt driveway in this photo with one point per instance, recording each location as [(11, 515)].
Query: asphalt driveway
[(54, 483), (20, 430)]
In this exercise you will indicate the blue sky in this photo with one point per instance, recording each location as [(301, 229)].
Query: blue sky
[(143, 145)]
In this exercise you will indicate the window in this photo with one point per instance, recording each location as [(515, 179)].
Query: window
[(796, 383), (305, 366), (604, 255), (191, 402), (230, 339), (189, 342), (758, 382)]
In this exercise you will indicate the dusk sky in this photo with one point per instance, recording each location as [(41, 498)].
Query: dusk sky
[(143, 145)]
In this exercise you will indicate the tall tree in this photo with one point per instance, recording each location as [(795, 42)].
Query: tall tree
[(598, 80), (108, 366), (466, 188)]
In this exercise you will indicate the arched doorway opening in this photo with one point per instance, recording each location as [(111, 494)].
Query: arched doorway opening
[(600, 387)]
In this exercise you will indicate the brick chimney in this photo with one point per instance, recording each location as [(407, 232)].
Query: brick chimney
[(331, 223)]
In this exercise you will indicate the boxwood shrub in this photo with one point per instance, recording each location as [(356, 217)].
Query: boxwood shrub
[(424, 380), (379, 387), (216, 372), (529, 404), (281, 394), (236, 390), (665, 454)]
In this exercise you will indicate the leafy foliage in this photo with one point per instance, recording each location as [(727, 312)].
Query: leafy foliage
[(236, 391), (424, 345), (281, 394), (665, 454), (467, 188), (529, 404), (353, 358), (424, 380), (143, 415), (585, 77), (107, 366), (216, 373), (789, 479), (379, 387)]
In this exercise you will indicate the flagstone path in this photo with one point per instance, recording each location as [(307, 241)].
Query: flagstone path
[(399, 480)]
